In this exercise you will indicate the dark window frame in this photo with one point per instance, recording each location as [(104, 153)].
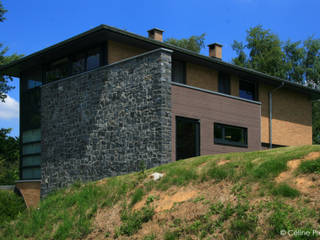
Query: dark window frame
[(103, 60), (183, 71), (222, 141), (198, 136), (255, 89), (224, 81)]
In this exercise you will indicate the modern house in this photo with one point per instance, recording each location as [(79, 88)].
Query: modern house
[(103, 102)]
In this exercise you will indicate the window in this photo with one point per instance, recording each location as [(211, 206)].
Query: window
[(247, 90), (31, 79), (78, 63), (230, 135), (57, 70), (178, 72), (187, 137), (31, 154), (93, 59), (224, 83)]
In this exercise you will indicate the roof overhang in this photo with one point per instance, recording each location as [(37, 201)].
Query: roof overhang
[(100, 34)]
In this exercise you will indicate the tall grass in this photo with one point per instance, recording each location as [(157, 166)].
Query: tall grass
[(69, 213)]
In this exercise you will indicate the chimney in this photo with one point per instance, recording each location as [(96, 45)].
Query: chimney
[(156, 34), (215, 50)]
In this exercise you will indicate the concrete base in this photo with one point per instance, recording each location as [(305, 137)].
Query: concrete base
[(30, 190)]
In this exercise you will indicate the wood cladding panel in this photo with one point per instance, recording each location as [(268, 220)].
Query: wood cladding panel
[(210, 108)]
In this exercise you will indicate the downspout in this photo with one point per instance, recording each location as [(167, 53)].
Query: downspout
[(270, 112)]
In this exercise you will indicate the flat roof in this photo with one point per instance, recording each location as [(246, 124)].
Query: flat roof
[(102, 32)]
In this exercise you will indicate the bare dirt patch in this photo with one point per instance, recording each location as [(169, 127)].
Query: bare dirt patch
[(105, 221), (222, 162), (306, 184), (293, 165)]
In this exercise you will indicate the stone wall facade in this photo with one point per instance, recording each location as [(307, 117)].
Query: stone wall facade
[(107, 121)]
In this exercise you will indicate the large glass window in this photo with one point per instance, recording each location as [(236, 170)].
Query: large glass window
[(31, 79), (230, 135), (58, 69), (31, 173), (78, 63), (178, 72), (224, 83), (33, 135), (29, 161), (30, 109), (247, 90), (31, 154)]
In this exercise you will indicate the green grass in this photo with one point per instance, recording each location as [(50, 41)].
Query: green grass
[(311, 166), (285, 190), (132, 220), (137, 196), (69, 213)]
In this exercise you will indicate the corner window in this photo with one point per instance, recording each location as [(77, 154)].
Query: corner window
[(178, 72), (247, 90), (57, 70), (74, 64), (224, 83), (31, 79), (230, 135)]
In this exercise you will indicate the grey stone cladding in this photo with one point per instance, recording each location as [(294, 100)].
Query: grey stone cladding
[(106, 122)]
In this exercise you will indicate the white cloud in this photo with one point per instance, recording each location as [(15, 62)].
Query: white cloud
[(9, 109)]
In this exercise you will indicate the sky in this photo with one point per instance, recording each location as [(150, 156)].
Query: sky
[(36, 24)]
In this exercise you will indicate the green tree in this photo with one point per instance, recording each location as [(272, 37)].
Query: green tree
[(9, 157), (194, 43), (4, 80), (294, 61), (264, 52), (2, 12)]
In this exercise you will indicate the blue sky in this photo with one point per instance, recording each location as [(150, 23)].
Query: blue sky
[(35, 24)]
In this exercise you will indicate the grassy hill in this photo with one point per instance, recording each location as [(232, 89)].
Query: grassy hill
[(257, 195)]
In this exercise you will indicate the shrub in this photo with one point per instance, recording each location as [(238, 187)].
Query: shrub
[(10, 205)]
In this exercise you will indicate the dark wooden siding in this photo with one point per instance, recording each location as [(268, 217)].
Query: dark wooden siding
[(210, 108)]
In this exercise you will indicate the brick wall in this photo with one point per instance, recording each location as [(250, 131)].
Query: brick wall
[(292, 117), (118, 51), (201, 77)]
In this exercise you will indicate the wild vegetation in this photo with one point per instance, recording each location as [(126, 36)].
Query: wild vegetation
[(9, 157), (253, 195)]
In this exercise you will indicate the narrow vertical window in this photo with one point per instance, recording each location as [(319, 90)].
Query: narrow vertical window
[(178, 72), (224, 83), (93, 59), (248, 90)]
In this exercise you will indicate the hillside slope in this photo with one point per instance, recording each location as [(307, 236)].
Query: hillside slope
[(270, 194)]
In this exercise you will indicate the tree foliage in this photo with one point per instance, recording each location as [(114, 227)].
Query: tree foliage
[(9, 157), (294, 61), (265, 54), (194, 43), (4, 80), (2, 12)]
